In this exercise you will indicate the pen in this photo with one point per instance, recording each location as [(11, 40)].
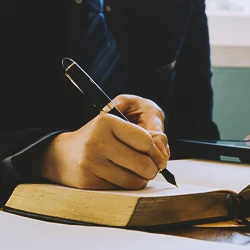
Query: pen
[(86, 85)]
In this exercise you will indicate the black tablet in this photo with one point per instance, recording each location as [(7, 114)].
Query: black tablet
[(232, 148)]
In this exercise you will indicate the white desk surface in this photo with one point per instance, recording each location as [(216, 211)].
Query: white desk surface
[(21, 233)]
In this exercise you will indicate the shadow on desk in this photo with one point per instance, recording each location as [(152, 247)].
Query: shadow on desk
[(239, 236)]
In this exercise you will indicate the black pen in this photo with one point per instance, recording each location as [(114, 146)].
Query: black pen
[(86, 85)]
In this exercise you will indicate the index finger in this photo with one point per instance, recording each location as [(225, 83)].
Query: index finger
[(140, 140), (141, 111), (131, 134)]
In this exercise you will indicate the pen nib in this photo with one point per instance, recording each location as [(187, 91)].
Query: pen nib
[(169, 177)]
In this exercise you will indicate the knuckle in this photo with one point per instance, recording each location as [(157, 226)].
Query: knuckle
[(154, 106), (149, 144), (137, 183), (119, 97), (131, 182), (161, 138), (162, 163), (147, 168), (103, 119), (88, 153), (164, 138), (160, 112)]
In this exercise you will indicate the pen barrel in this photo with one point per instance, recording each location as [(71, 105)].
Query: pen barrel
[(87, 86), (118, 113)]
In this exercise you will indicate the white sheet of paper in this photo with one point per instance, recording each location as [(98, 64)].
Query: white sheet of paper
[(22, 233), (215, 174), (160, 188)]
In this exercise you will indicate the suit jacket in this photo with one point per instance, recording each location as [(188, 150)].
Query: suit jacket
[(164, 55)]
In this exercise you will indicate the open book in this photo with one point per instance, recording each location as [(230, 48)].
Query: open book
[(209, 193)]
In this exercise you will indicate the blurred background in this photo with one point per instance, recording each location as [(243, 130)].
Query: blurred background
[(229, 27)]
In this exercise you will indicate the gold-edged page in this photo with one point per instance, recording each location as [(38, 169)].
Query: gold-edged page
[(224, 224)]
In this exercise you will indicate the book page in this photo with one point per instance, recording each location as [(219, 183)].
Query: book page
[(27, 234), (160, 188), (215, 174)]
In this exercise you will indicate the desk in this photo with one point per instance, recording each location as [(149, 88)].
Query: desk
[(28, 234), (236, 236)]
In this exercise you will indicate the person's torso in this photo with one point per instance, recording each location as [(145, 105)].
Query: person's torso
[(34, 89)]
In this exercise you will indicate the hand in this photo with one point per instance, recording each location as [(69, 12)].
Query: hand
[(108, 152), (148, 115)]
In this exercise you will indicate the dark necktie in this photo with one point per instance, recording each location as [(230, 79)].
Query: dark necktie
[(103, 56)]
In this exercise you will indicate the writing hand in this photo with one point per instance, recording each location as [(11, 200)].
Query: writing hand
[(106, 153), (148, 115)]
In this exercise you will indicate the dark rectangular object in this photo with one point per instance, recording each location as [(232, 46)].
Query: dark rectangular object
[(232, 148)]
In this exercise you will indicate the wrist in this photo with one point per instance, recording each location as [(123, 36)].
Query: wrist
[(51, 158)]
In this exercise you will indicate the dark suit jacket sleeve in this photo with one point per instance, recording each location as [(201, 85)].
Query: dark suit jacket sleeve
[(19, 153), (193, 94)]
